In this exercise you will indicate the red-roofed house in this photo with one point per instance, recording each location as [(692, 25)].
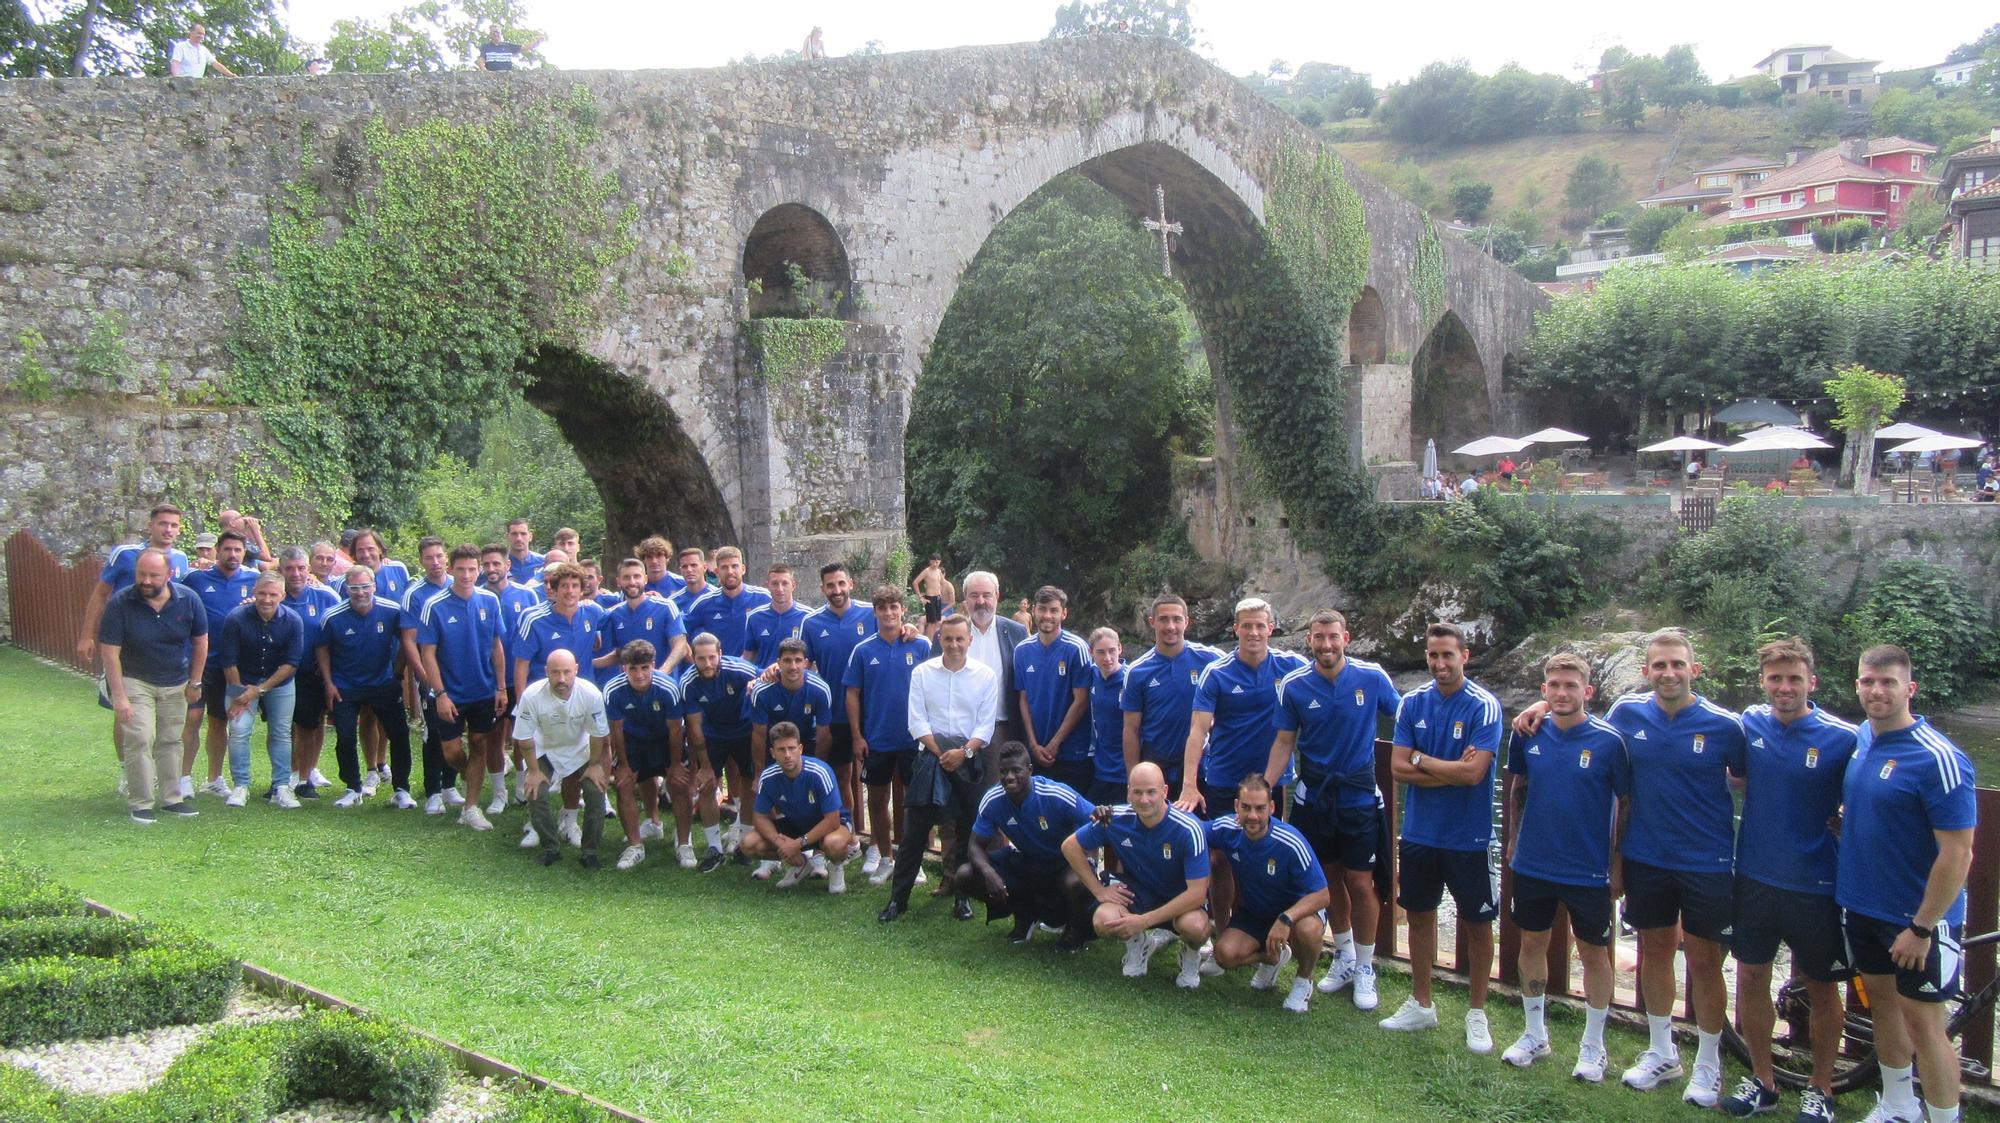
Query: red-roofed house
[(1871, 180), (1714, 184), (1970, 187)]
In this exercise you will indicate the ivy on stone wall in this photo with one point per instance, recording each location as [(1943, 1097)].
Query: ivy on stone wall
[(1427, 276), (408, 282), (1318, 228), (787, 349)]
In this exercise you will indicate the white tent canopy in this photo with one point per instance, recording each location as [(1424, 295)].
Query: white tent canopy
[(1491, 446), (1777, 437)]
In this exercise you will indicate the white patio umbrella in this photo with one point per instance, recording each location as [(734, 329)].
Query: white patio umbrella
[(1490, 446), (1431, 459), (1553, 436), (1775, 438), (1682, 444), (1904, 431), (1938, 442)]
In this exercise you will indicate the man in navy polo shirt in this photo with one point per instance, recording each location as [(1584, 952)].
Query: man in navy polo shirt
[(1158, 698), (1107, 718), (878, 707), (392, 581), (1283, 888), (1785, 860), (642, 614), (464, 664), (1572, 778), (222, 589), (1446, 743), (1326, 723), (263, 645), (648, 746), (658, 555), (1162, 879), (523, 563), (723, 610), (783, 618), (358, 646), (715, 699), (310, 601), (830, 632), (1052, 692), (1026, 877), (440, 779), (163, 526), (1905, 847), (798, 811), (153, 634)]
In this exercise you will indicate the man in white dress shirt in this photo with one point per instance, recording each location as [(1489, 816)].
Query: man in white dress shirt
[(562, 716), (953, 699)]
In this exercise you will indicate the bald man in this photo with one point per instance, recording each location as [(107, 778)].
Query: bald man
[(565, 712), (1162, 880)]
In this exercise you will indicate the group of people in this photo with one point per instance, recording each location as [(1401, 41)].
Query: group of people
[(1223, 802)]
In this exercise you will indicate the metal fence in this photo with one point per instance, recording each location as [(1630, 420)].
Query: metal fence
[(46, 599)]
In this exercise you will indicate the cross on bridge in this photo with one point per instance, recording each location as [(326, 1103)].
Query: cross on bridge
[(1164, 228)]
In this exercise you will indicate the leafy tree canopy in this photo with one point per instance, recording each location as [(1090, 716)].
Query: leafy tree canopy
[(1168, 19), (429, 35), (85, 37)]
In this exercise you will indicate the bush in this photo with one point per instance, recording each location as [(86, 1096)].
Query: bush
[(544, 1106), (1924, 608), (26, 892), (53, 998), (335, 1055), (95, 936)]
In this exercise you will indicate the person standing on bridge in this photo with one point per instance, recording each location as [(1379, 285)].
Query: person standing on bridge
[(190, 58), (498, 54)]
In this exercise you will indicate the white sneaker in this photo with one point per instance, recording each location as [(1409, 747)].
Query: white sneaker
[(368, 785), (632, 856), (471, 817), (1410, 1017), (403, 801), (684, 854), (351, 799), (882, 873), (572, 833), (452, 798), (1364, 988), (1300, 1000), (237, 796), (529, 839), (793, 875), (765, 869), (1526, 1051), (609, 810), (383, 770), (1704, 1087), (1651, 1068), (434, 805), (318, 779), (1478, 1035), (1267, 973), (650, 829), (1883, 1113), (219, 786), (818, 866), (1210, 969), (187, 788), (499, 801), (285, 798), (1339, 974), (1140, 948), (872, 862), (1590, 1063), (836, 879), (519, 789), (1190, 972), (922, 878)]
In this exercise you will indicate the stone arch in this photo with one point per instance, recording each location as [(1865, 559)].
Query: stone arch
[(1367, 330), (1448, 398), (795, 234), (649, 472)]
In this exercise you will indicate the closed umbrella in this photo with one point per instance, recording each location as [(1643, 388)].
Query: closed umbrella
[(1490, 446), (1750, 411), (1431, 459)]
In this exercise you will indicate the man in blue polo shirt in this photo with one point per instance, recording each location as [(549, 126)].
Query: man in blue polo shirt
[(1026, 877), (797, 695), (1446, 743), (769, 625), (798, 811), (263, 646), (1107, 718), (693, 566), (723, 610), (642, 614), (877, 681), (649, 747), (464, 665), (830, 632), (358, 646), (515, 601), (153, 634), (310, 601), (1052, 692), (1283, 887), (715, 699), (658, 556), (440, 779), (523, 563), (1162, 879), (1158, 699), (1326, 723), (1785, 859), (222, 588), (392, 581), (1905, 847), (1572, 778)]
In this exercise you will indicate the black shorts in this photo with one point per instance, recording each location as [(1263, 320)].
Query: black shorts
[(1216, 802), (309, 701), (792, 828), (214, 691), (1423, 873), (1868, 942), (1076, 773), (1656, 897), (724, 750), (1349, 837), (884, 767), (1534, 907), (647, 757), (1808, 923), (1106, 793), (1024, 876), (475, 717), (1256, 927), (1142, 901), (933, 609), (840, 751)]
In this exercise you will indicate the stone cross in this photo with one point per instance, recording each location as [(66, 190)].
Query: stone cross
[(1164, 229)]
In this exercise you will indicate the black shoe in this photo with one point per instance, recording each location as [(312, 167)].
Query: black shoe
[(143, 816), (184, 810), (590, 862), (306, 791), (549, 857), (1024, 930), (713, 861), (739, 857), (1068, 946), (891, 911), (961, 908), (1750, 1098)]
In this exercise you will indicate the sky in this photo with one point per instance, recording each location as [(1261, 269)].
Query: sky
[(1387, 41)]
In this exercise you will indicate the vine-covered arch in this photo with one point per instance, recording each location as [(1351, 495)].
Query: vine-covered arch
[(1448, 399), (794, 264), (1367, 329)]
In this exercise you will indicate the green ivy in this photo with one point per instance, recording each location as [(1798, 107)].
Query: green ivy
[(787, 349), (1318, 227), (1427, 275), (407, 283)]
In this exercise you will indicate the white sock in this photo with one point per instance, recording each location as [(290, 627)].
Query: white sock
[(1899, 1091), (569, 818), (1364, 955), (1531, 1005), (714, 836), (1941, 1114), (1593, 1024), (1661, 1029), (1708, 1048), (1343, 944)]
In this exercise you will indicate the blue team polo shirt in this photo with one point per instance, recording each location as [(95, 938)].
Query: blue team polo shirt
[(257, 647), (221, 596), (155, 648), (1049, 673), (1335, 723), (1107, 726), (1683, 815), (1792, 783), (1574, 780), (1157, 861), (525, 569), (1161, 691), (1450, 818), (312, 604), (606, 599), (1244, 700), (723, 701), (881, 669), (654, 620), (808, 707), (724, 615), (765, 628), (1899, 788), (416, 597), (120, 568), (830, 640), (1271, 873), (544, 632), (1037, 825), (361, 649), (516, 600), (668, 584), (649, 715), (463, 629), (802, 800)]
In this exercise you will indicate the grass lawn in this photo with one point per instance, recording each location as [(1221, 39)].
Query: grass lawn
[(688, 997)]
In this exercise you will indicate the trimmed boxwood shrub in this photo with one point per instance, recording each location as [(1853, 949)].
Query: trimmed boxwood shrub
[(543, 1106), (26, 892), (98, 936), (54, 998)]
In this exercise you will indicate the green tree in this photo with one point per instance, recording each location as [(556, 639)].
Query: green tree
[(427, 36), (1627, 108), (1431, 109), (1651, 225), (1470, 199), (83, 37), (1168, 19), (1866, 400), (1988, 41), (1815, 121), (1595, 186), (1923, 218), (1926, 609)]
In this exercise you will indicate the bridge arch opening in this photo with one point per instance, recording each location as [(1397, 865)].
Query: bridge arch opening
[(1448, 399), (1367, 330), (795, 265)]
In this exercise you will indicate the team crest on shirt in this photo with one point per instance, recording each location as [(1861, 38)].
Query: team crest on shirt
[(649, 623), (1457, 730), (1044, 821), (1700, 741), (1271, 868), (1167, 850), (1360, 696), (812, 796), (731, 688), (586, 625), (482, 613), (909, 658), (1583, 759), (1062, 668), (1194, 678), (808, 709), (378, 627), (656, 707), (1812, 757), (1888, 766), (857, 629)]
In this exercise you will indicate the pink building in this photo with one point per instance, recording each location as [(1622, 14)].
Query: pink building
[(1871, 180)]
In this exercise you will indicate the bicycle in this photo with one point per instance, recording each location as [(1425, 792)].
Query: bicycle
[(1856, 1067)]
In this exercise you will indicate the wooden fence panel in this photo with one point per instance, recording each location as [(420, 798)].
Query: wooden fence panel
[(46, 599)]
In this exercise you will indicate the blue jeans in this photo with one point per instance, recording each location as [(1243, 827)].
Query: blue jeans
[(277, 708)]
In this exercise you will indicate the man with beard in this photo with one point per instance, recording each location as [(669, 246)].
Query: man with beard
[(831, 632), (358, 645), (153, 634), (1159, 692)]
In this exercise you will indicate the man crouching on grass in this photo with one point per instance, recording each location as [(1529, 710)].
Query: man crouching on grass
[(566, 713), (798, 811)]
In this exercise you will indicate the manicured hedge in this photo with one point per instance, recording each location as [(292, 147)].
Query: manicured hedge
[(26, 892), (99, 936), (543, 1106)]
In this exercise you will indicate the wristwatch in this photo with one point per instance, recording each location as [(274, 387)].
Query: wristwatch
[(1287, 918), (1416, 758), (1927, 933)]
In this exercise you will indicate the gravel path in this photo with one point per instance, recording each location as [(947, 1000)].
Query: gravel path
[(465, 1101)]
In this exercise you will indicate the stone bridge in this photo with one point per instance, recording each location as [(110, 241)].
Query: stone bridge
[(881, 177)]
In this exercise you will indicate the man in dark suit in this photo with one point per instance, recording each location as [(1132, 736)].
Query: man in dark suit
[(994, 638)]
